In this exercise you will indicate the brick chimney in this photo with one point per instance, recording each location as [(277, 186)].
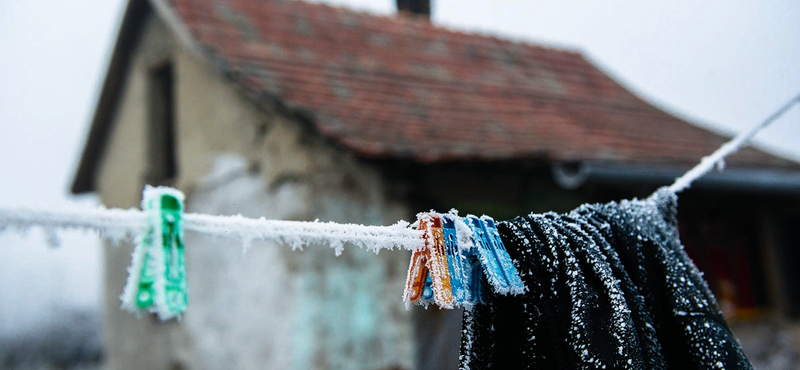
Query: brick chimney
[(414, 7)]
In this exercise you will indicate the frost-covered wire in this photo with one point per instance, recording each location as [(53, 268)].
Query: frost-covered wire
[(118, 223), (114, 223), (300, 233), (715, 159)]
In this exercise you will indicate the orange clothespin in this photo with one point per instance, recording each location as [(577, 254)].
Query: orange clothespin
[(417, 275), (437, 263), (428, 272)]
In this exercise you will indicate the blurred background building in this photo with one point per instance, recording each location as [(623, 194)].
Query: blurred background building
[(303, 111)]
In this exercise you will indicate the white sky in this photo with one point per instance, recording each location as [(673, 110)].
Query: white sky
[(724, 64)]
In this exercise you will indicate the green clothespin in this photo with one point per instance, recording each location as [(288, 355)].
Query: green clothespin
[(157, 276)]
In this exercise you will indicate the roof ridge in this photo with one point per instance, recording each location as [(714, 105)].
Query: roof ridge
[(423, 24)]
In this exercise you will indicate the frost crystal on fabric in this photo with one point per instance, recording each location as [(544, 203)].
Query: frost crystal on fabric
[(609, 287)]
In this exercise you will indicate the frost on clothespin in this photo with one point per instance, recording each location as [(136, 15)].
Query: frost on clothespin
[(417, 278), (471, 264), (515, 284), (497, 264), (460, 268), (428, 272), (157, 276), (458, 252), (437, 265)]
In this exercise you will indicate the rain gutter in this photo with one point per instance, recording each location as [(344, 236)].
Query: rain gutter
[(575, 175)]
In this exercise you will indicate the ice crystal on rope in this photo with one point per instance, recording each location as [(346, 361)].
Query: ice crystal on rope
[(610, 287), (118, 224)]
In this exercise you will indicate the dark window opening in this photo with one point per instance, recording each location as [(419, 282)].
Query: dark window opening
[(726, 249), (788, 257), (161, 157)]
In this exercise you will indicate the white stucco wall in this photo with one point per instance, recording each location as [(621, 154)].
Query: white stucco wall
[(271, 308)]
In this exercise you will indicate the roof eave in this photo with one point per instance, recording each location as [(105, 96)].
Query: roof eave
[(734, 179), (132, 21)]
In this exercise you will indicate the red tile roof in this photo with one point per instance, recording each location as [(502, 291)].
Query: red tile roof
[(397, 87)]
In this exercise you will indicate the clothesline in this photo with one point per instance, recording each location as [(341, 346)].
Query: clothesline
[(117, 223), (716, 158)]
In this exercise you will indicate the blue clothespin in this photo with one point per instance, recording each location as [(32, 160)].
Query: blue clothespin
[(475, 276), (468, 263), (516, 286), (457, 261), (491, 266), (157, 276), (497, 264)]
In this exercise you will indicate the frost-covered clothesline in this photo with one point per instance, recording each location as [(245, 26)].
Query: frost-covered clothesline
[(118, 223), (717, 158)]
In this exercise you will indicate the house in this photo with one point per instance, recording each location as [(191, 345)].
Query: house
[(294, 110)]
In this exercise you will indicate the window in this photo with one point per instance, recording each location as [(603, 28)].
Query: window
[(161, 158), (788, 256), (725, 247)]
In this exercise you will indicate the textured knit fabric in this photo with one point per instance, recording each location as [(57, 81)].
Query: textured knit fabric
[(609, 287)]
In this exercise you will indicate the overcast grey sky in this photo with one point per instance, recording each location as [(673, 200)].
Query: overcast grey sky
[(724, 64)]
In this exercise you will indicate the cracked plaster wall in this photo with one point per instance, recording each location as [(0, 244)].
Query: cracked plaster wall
[(271, 308)]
